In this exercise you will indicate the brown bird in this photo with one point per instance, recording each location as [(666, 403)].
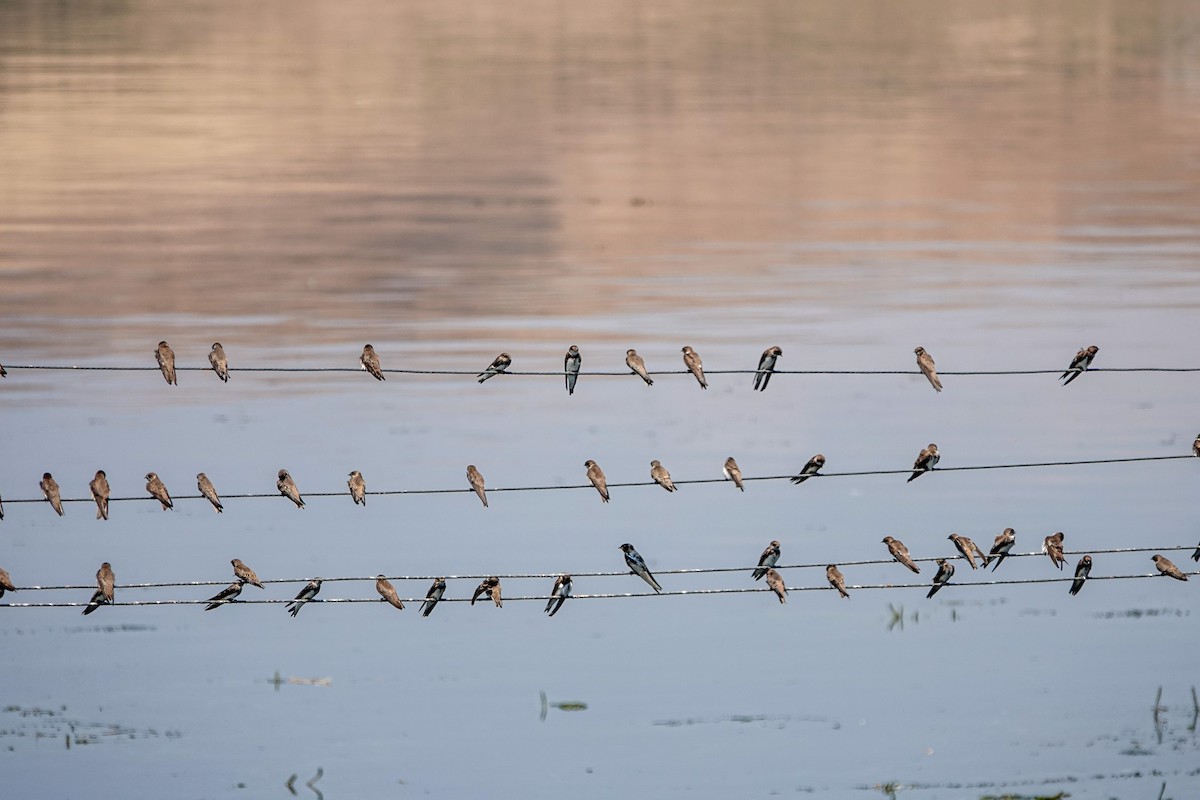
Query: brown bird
[(900, 553), (100, 493), (287, 487), (209, 492), (476, 480), (926, 461), (660, 475), (490, 587), (165, 357), (836, 579), (1167, 568), (358, 488), (810, 469), (925, 362), (220, 364), (50, 488), (635, 363), (388, 592), (945, 573), (370, 362), (968, 549), (158, 491), (691, 360), (1196, 446), (733, 473), (105, 580), (1053, 547), (1079, 364), (596, 476), (245, 574), (6, 584), (776, 584)]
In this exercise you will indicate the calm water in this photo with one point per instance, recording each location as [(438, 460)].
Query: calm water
[(1001, 183)]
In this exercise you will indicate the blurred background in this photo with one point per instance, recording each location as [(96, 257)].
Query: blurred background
[(1002, 183)]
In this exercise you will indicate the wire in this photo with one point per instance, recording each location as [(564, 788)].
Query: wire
[(905, 471)]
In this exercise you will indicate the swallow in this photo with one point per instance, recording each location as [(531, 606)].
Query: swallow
[(900, 553), (1167, 568), (158, 491), (387, 592), (245, 574), (559, 594), (733, 473), (926, 461), (775, 584), (209, 492), (226, 595), (660, 475), (766, 367), (691, 360), (596, 476), (812, 468), (1, 508), (1195, 555), (287, 488), (925, 362), (497, 367), (491, 588), (358, 488), (370, 362), (1000, 548), (571, 367), (767, 560), (307, 593), (100, 493), (945, 572), (638, 566), (49, 488), (1081, 574), (968, 549), (476, 481), (6, 584), (433, 596), (220, 364), (635, 363), (1053, 547), (165, 357), (105, 580), (836, 579), (3, 374), (1196, 446), (1079, 364)]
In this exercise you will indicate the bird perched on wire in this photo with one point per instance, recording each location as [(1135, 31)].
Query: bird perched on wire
[(6, 584), (497, 367), (768, 559), (732, 472), (638, 566), (927, 460), (165, 357), (968, 549), (1001, 547), (900, 553), (220, 364), (49, 488), (1080, 364), (491, 588), (1165, 567), (433, 596), (358, 488), (387, 592), (766, 367), (306, 594), (370, 362), (659, 474), (571, 363), (945, 573), (813, 467), (158, 491), (776, 584), (596, 476), (244, 574), (925, 362), (836, 579), (559, 594), (1082, 569), (209, 492), (635, 363), (106, 583), (287, 487), (100, 493), (1053, 547), (691, 360), (475, 478), (227, 595)]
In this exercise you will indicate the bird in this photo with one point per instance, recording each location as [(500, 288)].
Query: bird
[(209, 492), (925, 362), (1167, 568), (6, 584), (945, 572), (100, 493), (900, 553), (287, 488), (307, 593), (767, 560), (1, 508), (926, 461), (49, 488), (1081, 574), (571, 367), (733, 473), (433, 596), (491, 588), (3, 374), (691, 360), (165, 357), (476, 481), (836, 579), (596, 476), (105, 580), (559, 594), (766, 367), (810, 469), (358, 488), (245, 574), (220, 364), (775, 584), (387, 592), (226, 595), (638, 565), (370, 362), (1000, 548), (1053, 547), (1196, 446), (660, 475), (968, 549), (497, 367), (635, 363), (158, 491), (1195, 555), (1079, 364)]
